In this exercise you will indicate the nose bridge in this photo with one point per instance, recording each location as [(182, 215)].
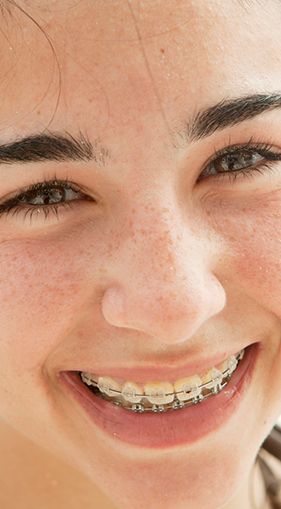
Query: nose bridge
[(168, 265), (161, 244)]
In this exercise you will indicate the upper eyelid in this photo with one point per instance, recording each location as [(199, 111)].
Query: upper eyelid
[(236, 147), (239, 147), (41, 185)]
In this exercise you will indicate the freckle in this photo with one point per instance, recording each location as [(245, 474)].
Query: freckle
[(102, 271), (162, 50)]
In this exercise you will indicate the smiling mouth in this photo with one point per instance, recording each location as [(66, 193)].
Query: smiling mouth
[(163, 396), (151, 426)]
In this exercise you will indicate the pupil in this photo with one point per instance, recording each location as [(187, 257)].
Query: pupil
[(44, 197), (58, 195), (236, 162)]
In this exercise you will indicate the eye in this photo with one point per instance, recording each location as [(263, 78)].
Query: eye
[(241, 161), (47, 196)]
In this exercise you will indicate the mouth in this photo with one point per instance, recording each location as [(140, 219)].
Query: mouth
[(157, 396), (154, 417)]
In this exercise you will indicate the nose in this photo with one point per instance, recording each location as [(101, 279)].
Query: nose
[(163, 283)]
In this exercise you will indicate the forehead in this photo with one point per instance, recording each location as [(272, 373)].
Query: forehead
[(118, 64)]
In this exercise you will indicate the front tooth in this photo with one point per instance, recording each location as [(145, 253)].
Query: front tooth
[(188, 387), (108, 386), (158, 392), (130, 390)]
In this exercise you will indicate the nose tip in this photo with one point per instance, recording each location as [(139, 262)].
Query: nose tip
[(170, 314)]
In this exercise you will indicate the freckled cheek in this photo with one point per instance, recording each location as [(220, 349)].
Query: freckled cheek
[(254, 239), (39, 291)]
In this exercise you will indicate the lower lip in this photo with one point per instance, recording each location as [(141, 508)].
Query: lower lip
[(170, 428)]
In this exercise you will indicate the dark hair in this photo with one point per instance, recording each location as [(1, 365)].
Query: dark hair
[(272, 445)]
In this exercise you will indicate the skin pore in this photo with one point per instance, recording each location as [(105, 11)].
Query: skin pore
[(158, 267)]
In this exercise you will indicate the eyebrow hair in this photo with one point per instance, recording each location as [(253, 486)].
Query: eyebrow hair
[(54, 147), (227, 113), (64, 147)]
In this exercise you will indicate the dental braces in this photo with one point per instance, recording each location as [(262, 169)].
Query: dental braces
[(176, 403)]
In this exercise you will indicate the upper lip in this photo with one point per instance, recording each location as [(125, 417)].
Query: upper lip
[(153, 372)]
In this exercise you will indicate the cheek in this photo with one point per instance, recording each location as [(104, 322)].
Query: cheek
[(39, 289), (254, 236)]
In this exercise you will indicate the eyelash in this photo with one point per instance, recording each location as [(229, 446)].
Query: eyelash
[(248, 148), (46, 186)]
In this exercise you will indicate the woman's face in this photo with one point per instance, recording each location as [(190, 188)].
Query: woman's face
[(156, 263)]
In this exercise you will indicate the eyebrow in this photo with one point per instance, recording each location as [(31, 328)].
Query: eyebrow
[(64, 146), (227, 113), (50, 146)]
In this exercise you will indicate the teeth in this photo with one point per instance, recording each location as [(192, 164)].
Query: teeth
[(194, 388), (132, 392), (158, 392), (188, 387), (86, 377), (109, 386), (231, 363), (213, 380)]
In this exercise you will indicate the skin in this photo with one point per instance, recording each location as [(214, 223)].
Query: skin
[(159, 268)]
